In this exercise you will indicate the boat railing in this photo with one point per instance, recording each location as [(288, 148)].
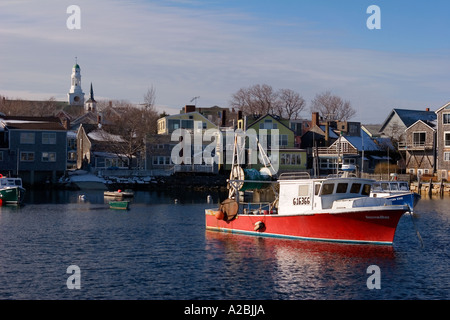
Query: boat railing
[(294, 175), (258, 208)]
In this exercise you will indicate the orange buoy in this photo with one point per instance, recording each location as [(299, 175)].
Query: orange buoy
[(219, 215)]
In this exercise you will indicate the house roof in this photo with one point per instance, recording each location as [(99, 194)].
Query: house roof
[(182, 115), (265, 116), (445, 106), (431, 124), (367, 143), (409, 117), (32, 123)]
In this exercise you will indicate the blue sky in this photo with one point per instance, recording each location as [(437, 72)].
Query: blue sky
[(212, 48)]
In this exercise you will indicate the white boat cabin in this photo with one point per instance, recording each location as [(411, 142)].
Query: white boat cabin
[(10, 182), (299, 195), (390, 186)]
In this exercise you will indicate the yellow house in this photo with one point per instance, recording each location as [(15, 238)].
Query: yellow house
[(286, 157), (191, 121)]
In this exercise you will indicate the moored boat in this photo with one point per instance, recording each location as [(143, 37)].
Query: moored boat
[(119, 205), (398, 192), (11, 190), (119, 194), (329, 209)]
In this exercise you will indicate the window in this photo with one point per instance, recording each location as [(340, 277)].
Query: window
[(27, 156), (317, 188), (27, 137), (48, 157), (283, 140), (356, 187), (341, 188), (366, 190), (447, 139), (446, 156), (48, 138), (268, 124), (71, 156), (419, 139), (327, 188), (303, 191), (446, 118)]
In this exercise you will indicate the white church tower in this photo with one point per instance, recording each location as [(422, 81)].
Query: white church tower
[(76, 95)]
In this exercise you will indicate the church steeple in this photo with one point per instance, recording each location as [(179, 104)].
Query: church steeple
[(91, 104), (76, 94)]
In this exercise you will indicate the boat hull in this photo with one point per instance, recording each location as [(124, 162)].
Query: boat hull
[(410, 199), (368, 226), (12, 195), (119, 205)]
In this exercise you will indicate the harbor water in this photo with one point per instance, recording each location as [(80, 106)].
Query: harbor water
[(159, 250)]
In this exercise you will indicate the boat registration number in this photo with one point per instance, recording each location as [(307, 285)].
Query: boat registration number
[(300, 201)]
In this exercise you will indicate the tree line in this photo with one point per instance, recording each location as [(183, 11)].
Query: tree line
[(288, 104)]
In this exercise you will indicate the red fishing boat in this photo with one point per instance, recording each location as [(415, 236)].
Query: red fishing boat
[(296, 206)]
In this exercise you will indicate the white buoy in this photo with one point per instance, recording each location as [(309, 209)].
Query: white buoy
[(209, 199)]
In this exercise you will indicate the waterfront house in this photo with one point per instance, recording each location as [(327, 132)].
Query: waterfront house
[(189, 142), (399, 120), (443, 141), (34, 148), (95, 150), (419, 147)]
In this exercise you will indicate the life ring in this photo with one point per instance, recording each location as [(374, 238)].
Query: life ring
[(259, 225), (1, 176)]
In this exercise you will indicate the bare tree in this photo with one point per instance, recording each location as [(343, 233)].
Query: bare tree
[(290, 104), (255, 100), (332, 107), (128, 126)]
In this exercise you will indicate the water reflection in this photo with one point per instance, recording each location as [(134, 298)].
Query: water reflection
[(301, 269)]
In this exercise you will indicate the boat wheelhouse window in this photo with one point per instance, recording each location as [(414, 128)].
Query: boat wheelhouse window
[(356, 188), (317, 188), (342, 188), (366, 190), (403, 186), (385, 186), (394, 186), (376, 186), (327, 188)]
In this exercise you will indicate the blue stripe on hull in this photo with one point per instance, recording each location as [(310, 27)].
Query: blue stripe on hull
[(280, 236)]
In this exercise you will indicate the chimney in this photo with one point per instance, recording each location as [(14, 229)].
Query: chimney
[(315, 119), (189, 108), (224, 118), (427, 109)]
